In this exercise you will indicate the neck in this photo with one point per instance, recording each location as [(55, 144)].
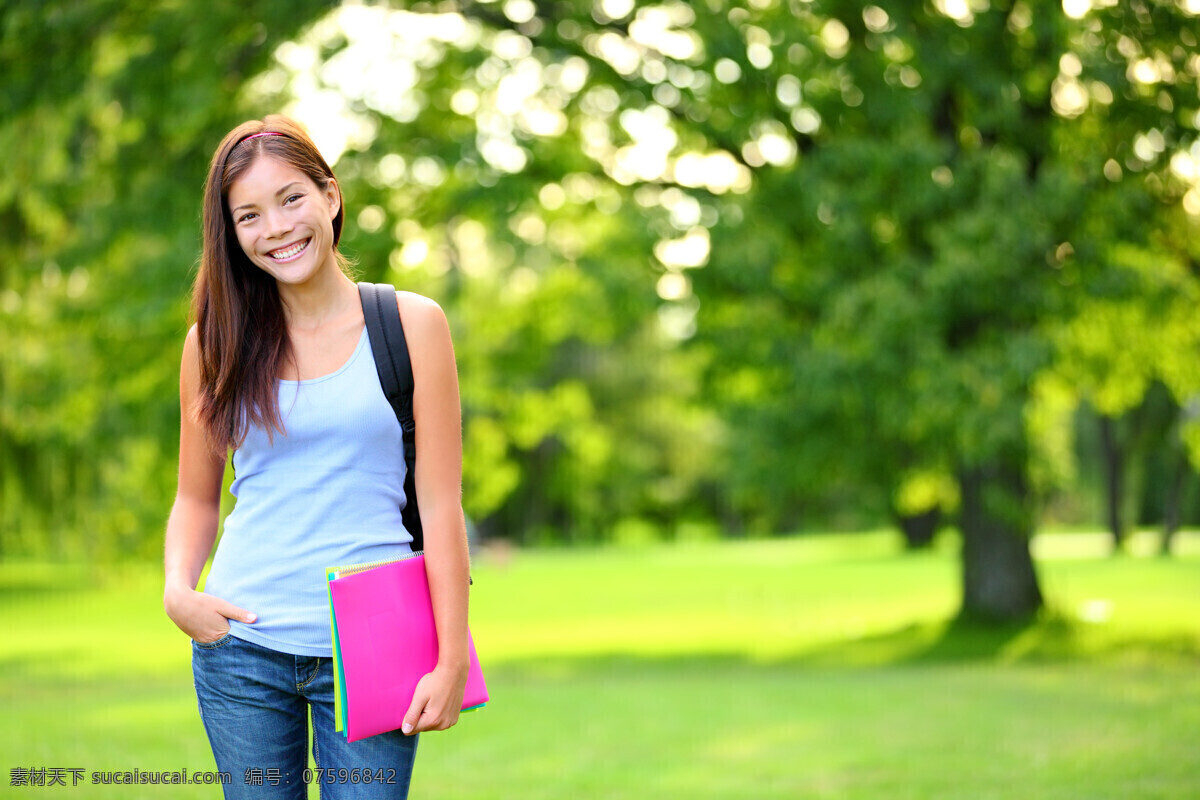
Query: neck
[(328, 296)]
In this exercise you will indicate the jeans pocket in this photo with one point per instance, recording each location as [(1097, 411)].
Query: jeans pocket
[(215, 643)]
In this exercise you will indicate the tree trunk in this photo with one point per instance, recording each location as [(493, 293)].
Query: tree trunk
[(999, 580), (919, 529), (1173, 503), (1114, 480)]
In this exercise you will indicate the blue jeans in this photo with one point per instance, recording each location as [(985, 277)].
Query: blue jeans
[(255, 704)]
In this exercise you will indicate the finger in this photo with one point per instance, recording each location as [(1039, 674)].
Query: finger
[(433, 718), (230, 611), (414, 713)]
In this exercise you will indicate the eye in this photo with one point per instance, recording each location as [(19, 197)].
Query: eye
[(290, 198), (247, 216)]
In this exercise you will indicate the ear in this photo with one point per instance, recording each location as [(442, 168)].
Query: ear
[(333, 196)]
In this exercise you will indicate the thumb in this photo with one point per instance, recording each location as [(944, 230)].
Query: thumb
[(230, 611), (414, 713)]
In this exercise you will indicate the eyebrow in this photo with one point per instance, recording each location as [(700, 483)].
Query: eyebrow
[(250, 205)]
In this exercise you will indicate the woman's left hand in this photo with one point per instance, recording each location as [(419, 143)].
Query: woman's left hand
[(437, 701)]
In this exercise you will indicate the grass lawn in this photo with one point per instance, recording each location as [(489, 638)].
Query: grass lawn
[(822, 667)]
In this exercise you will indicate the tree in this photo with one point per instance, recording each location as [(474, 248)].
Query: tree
[(110, 112), (897, 195), (775, 264), (797, 182)]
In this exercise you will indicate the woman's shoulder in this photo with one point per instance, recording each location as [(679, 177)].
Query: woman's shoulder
[(419, 310), (417, 303), (425, 325), (191, 343)]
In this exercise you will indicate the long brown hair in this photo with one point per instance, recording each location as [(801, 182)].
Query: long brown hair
[(238, 312)]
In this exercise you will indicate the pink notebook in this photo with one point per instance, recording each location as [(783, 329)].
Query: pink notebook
[(384, 642)]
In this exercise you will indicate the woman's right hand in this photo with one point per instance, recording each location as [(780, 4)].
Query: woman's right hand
[(201, 616)]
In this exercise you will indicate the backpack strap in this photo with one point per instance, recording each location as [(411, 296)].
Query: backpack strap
[(390, 349)]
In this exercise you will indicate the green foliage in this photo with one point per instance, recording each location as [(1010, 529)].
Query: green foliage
[(106, 143), (774, 264)]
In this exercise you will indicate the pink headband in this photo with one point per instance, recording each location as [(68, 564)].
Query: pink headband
[(246, 139)]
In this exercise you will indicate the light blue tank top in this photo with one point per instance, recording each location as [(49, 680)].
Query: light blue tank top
[(328, 492)]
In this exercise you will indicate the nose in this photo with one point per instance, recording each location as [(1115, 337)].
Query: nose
[(278, 223)]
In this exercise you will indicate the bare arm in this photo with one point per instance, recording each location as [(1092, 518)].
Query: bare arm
[(192, 526), (438, 413)]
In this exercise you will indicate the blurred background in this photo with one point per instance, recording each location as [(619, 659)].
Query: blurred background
[(750, 277)]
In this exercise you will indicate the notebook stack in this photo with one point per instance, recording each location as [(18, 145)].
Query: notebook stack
[(384, 642)]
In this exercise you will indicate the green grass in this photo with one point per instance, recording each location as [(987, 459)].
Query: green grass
[(822, 667)]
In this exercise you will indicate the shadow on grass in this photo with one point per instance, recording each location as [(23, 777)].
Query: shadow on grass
[(1049, 639)]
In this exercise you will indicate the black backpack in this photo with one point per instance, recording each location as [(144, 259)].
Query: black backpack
[(395, 376)]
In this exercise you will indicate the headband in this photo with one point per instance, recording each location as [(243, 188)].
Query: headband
[(246, 139)]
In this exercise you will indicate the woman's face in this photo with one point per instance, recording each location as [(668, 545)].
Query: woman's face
[(284, 221)]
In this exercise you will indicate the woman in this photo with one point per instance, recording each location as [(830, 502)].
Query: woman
[(277, 369)]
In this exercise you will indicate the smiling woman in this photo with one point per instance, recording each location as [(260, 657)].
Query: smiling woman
[(266, 182), (278, 211), (277, 370)]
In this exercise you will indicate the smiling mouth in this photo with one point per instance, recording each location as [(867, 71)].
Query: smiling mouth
[(289, 252)]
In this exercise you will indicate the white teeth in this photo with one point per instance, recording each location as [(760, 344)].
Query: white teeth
[(280, 255)]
